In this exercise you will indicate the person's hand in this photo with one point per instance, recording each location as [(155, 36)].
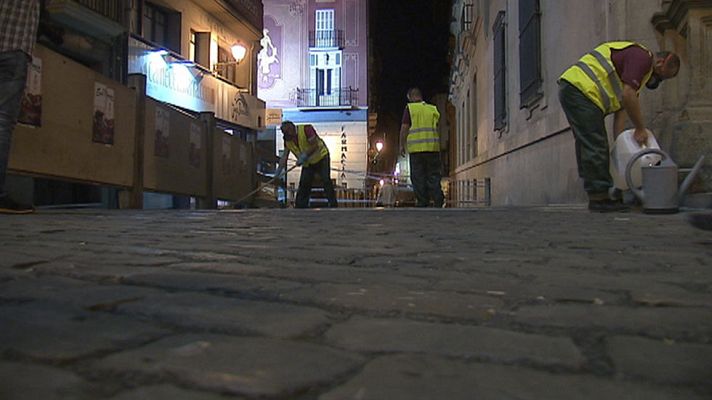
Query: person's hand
[(302, 158), (402, 151), (640, 136)]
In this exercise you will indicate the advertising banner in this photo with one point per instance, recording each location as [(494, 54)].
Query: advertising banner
[(103, 121)]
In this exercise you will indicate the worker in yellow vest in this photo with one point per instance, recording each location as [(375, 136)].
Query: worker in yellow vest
[(419, 136), (312, 155), (608, 80)]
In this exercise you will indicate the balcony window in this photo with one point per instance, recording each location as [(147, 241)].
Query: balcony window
[(161, 26)]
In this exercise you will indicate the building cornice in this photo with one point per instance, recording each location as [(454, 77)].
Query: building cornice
[(675, 17)]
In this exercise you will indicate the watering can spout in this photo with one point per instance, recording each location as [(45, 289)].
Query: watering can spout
[(688, 180)]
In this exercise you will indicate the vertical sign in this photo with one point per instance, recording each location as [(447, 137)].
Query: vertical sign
[(31, 107), (344, 150), (195, 145), (161, 148), (103, 121)]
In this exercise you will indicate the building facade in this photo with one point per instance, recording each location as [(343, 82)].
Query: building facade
[(192, 131), (511, 136), (313, 69)]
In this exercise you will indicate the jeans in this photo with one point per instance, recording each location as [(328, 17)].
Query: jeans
[(589, 128), (425, 174), (323, 169), (13, 76)]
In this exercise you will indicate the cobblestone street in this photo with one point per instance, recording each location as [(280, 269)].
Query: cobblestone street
[(522, 303)]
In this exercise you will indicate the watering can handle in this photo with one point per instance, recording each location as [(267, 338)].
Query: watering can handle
[(628, 179)]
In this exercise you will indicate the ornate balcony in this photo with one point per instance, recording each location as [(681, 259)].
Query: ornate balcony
[(344, 97), (326, 39)]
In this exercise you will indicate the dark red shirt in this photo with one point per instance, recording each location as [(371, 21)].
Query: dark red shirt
[(632, 64)]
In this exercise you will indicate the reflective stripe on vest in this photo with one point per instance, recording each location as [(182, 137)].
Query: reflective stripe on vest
[(595, 76), (321, 152), (423, 135)]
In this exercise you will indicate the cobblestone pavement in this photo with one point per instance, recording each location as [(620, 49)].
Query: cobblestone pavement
[(525, 303)]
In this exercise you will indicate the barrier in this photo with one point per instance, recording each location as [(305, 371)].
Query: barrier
[(90, 129)]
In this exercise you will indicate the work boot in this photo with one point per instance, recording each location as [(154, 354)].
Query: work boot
[(8, 206), (607, 205)]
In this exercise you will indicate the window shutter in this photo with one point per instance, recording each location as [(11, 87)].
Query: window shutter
[(530, 81), (500, 72)]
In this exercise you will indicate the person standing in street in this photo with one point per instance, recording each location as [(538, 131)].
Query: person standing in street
[(312, 155), (420, 138), (608, 80), (18, 31)]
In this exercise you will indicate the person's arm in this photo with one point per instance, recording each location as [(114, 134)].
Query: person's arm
[(313, 145), (405, 127), (631, 104), (283, 161), (619, 119), (403, 137)]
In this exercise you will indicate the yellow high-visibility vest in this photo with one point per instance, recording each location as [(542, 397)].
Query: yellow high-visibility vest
[(321, 151), (423, 135), (596, 77)]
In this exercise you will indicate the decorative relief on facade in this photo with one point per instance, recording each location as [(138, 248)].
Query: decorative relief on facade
[(296, 8), (351, 23), (268, 59)]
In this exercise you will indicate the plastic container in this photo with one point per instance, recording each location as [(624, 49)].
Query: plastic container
[(624, 148)]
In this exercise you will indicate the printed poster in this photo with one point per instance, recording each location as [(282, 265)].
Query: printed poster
[(195, 145), (31, 105), (226, 155), (103, 121), (161, 148)]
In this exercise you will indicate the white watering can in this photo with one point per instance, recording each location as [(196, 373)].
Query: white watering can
[(659, 193)]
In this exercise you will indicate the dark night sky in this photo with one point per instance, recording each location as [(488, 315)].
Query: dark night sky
[(411, 41)]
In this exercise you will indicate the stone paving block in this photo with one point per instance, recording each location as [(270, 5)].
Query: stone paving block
[(194, 281), (92, 271), (662, 361), (389, 299), (58, 333), (388, 335), (22, 381), (654, 321), (310, 273), (167, 392), (228, 315), (57, 289), (520, 290), (668, 295), (416, 377), (20, 261), (236, 365)]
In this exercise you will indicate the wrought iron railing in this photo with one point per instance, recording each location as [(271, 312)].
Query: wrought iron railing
[(319, 98), (319, 39), (111, 9)]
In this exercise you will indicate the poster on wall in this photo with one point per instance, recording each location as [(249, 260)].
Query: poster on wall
[(226, 155), (103, 121), (195, 145), (31, 106), (161, 148)]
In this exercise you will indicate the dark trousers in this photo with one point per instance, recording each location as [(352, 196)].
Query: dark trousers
[(425, 174), (323, 169), (589, 128), (13, 74)]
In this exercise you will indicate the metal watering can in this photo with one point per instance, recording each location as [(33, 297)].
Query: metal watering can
[(659, 193)]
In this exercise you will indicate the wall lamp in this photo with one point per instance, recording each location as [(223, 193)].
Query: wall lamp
[(238, 51)]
